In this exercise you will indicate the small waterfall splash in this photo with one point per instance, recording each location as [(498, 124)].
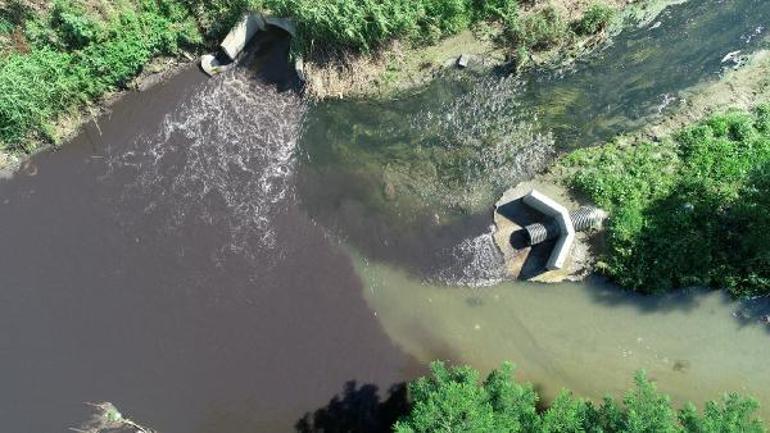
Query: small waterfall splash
[(223, 158), (474, 262)]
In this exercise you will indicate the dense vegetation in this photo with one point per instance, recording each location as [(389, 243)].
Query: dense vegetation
[(453, 400), (364, 25), (690, 210), (71, 55), (60, 57)]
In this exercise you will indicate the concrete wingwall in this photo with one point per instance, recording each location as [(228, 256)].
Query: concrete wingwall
[(248, 26)]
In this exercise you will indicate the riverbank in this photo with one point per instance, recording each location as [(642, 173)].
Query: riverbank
[(687, 194), (86, 53), (65, 62), (547, 35)]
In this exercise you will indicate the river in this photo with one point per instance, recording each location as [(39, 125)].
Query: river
[(220, 256)]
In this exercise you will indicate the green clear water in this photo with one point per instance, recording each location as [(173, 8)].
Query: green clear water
[(452, 147), (409, 183)]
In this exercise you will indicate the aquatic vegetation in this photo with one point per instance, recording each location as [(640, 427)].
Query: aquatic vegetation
[(454, 399), (690, 210)]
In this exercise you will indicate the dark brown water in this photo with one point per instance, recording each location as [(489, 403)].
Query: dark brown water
[(159, 262)]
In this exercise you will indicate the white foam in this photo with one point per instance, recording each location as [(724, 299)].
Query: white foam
[(475, 262), (224, 157)]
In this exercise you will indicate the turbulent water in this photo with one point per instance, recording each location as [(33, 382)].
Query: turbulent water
[(223, 158), (159, 261), (474, 262)]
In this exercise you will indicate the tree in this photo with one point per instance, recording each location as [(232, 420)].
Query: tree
[(452, 400), (449, 401)]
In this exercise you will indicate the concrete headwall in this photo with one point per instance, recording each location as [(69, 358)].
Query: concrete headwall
[(248, 26)]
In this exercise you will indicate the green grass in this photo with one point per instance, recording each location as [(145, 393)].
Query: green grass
[(74, 57), (691, 210), (328, 27)]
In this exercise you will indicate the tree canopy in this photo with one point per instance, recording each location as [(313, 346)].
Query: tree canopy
[(455, 400)]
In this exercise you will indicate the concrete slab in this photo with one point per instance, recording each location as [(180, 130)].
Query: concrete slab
[(241, 34), (551, 208), (522, 261)]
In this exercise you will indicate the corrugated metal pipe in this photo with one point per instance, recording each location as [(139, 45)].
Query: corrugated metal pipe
[(585, 218)]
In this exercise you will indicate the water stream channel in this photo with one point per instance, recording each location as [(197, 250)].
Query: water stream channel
[(218, 255)]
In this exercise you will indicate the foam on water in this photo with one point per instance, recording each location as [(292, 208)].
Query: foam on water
[(223, 158), (474, 262)]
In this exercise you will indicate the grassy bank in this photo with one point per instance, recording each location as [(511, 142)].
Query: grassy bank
[(59, 58), (691, 209), (399, 45), (454, 400)]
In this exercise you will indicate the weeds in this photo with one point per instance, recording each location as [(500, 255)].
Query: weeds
[(541, 30)]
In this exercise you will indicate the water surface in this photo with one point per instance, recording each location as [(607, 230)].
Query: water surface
[(180, 260)]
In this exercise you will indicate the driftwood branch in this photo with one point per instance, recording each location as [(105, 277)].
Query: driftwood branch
[(107, 418)]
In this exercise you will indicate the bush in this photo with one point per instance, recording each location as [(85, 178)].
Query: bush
[(13, 14), (75, 28), (689, 211), (505, 11), (595, 19), (453, 400), (541, 30)]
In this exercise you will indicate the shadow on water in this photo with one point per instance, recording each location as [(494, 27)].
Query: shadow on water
[(745, 312), (358, 409), (606, 293)]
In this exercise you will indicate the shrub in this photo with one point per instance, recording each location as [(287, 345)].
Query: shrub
[(13, 14), (74, 26), (541, 30), (453, 400), (596, 18), (689, 211), (506, 11)]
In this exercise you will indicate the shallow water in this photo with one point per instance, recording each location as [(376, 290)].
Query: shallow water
[(590, 338), (453, 147), (408, 184)]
